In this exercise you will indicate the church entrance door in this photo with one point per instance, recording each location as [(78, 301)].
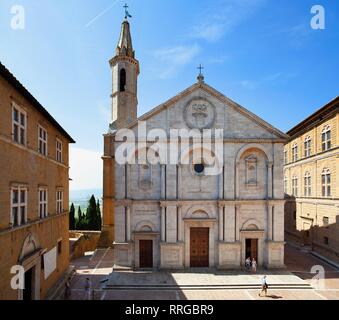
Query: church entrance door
[(252, 249), (145, 253), (199, 247)]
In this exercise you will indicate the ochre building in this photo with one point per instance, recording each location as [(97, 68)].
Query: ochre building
[(33, 194), (311, 176)]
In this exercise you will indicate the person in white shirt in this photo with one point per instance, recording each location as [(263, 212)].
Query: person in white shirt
[(254, 266), (264, 286)]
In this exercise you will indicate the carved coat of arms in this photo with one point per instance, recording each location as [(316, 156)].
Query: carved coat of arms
[(199, 114)]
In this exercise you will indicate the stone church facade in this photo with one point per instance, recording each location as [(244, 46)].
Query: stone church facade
[(177, 216)]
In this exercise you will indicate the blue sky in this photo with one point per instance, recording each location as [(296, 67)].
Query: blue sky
[(261, 53)]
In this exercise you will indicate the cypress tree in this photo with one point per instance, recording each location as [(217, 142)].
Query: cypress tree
[(99, 222), (79, 223), (72, 217), (91, 214)]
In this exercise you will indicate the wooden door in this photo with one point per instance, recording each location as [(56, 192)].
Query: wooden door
[(145, 253), (252, 249), (199, 247)]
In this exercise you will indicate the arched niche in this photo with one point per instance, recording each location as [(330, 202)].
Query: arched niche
[(251, 225), (145, 226), (30, 245)]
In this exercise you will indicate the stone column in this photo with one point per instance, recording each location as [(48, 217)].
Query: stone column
[(269, 222), (237, 180), (127, 180), (237, 222), (163, 182), (163, 224), (221, 184), (179, 223), (221, 222), (229, 222), (179, 182), (269, 180), (128, 224)]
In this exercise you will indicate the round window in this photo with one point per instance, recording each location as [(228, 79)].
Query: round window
[(199, 168)]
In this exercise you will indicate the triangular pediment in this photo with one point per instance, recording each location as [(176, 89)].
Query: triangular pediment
[(237, 121)]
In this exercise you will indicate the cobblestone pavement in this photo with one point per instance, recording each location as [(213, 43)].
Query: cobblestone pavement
[(298, 263)]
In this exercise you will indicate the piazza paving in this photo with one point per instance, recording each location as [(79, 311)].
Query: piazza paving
[(296, 282)]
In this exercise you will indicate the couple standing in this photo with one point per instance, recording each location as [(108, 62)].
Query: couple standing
[(251, 265)]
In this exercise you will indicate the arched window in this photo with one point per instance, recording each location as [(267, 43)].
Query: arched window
[(307, 185), (122, 80), (307, 146), (326, 138), (326, 183)]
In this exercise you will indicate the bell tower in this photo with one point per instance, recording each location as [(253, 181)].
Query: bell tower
[(125, 72)]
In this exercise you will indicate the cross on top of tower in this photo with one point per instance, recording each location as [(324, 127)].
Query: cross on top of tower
[(200, 68), (127, 15), (200, 76)]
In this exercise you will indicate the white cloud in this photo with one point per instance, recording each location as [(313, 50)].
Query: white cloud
[(85, 169), (218, 60), (174, 58), (210, 32), (224, 17)]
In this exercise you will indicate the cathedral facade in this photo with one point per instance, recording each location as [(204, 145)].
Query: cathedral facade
[(178, 212)]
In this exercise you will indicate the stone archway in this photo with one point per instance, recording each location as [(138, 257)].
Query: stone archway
[(252, 241), (30, 260)]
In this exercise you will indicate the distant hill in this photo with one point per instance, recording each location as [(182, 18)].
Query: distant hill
[(81, 197)]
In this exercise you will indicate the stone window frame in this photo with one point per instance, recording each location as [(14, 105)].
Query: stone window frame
[(18, 125), (326, 183), (19, 204), (285, 184), (42, 140), (43, 202), (307, 146), (58, 150), (295, 152), (295, 186), (326, 221), (307, 184), (285, 157), (326, 241), (326, 138), (59, 200)]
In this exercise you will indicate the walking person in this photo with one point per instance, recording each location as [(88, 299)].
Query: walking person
[(88, 289), (254, 266), (248, 264), (264, 286), (68, 288)]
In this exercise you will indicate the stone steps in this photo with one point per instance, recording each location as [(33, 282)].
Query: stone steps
[(208, 287)]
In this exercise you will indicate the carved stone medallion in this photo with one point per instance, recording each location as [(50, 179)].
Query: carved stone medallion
[(199, 114)]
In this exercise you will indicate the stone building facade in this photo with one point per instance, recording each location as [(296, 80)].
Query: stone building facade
[(33, 193), (311, 182), (164, 215)]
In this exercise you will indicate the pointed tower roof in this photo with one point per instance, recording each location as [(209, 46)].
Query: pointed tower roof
[(125, 46)]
